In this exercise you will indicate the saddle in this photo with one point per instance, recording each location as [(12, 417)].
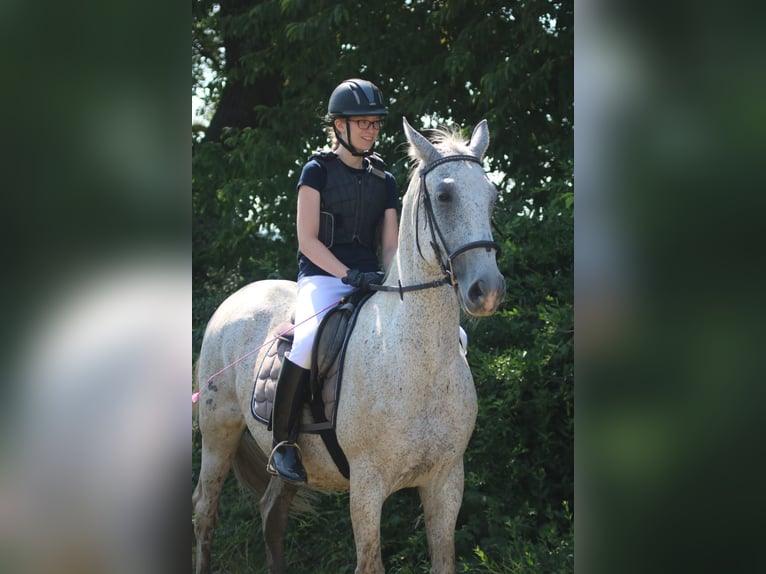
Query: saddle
[(328, 353)]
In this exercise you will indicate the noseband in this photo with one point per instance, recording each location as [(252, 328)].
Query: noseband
[(434, 226)]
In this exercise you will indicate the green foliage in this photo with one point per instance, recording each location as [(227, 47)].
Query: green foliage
[(267, 68)]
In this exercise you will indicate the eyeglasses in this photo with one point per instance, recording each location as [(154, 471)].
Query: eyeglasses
[(365, 124)]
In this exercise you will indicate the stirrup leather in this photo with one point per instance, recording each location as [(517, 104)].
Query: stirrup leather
[(269, 466)]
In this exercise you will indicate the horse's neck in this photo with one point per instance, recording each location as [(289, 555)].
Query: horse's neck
[(435, 306), (411, 267), (415, 260)]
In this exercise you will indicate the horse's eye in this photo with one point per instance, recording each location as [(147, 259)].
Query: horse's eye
[(445, 190)]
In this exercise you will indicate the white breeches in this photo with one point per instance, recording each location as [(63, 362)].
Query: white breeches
[(314, 293)]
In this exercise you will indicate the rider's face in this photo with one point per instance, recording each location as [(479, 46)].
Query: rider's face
[(362, 138)]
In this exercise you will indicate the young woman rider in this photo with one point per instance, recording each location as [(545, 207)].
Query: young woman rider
[(347, 211)]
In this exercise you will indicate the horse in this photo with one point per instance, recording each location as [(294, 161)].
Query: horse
[(407, 406)]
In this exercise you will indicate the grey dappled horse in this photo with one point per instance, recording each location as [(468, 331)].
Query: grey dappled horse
[(407, 405)]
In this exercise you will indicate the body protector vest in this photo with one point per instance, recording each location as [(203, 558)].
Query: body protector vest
[(353, 202)]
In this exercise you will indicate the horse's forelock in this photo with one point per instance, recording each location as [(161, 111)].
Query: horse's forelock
[(447, 141)]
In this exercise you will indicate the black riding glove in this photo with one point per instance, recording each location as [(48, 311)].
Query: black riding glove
[(362, 279)]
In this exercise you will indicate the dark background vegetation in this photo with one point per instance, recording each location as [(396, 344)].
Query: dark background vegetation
[(264, 70)]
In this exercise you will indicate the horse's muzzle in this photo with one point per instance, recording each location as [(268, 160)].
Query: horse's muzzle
[(484, 295)]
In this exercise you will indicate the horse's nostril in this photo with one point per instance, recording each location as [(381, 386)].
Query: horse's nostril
[(476, 291)]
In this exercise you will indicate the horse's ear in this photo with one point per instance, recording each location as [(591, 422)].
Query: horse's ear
[(420, 147), (479, 139)]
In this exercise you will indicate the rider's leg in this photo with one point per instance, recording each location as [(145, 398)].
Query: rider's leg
[(285, 459)]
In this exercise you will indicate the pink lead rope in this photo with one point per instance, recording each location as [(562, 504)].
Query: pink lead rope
[(195, 396)]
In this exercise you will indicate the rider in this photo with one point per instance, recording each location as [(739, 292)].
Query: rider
[(347, 209)]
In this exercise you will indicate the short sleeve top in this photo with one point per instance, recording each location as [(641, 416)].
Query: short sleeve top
[(353, 255)]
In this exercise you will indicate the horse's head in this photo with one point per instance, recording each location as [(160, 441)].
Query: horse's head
[(457, 199)]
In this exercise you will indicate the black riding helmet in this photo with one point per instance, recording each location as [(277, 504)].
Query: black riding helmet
[(355, 97)]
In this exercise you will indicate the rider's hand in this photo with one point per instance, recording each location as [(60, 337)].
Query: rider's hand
[(362, 279)]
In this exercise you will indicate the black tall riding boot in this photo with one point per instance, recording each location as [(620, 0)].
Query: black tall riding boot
[(285, 459)]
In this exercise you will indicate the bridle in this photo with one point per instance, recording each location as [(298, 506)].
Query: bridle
[(446, 266), (434, 226)]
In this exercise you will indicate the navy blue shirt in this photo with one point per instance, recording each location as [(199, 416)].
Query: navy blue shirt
[(353, 255)]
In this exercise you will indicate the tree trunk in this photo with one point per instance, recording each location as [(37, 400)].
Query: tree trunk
[(238, 103)]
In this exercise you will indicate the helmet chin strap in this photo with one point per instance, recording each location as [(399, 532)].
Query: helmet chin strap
[(348, 146)]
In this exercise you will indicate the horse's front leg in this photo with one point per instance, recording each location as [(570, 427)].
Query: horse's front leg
[(441, 500), (366, 498)]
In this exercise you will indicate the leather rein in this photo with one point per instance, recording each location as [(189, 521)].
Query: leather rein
[(446, 266)]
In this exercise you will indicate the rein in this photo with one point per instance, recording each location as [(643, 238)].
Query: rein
[(449, 275), (402, 289)]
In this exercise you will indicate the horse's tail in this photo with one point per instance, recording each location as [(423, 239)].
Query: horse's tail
[(249, 467)]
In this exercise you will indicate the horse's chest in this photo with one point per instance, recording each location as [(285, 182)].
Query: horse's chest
[(403, 391), (431, 410)]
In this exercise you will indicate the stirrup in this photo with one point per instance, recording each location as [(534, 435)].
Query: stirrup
[(270, 467)]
